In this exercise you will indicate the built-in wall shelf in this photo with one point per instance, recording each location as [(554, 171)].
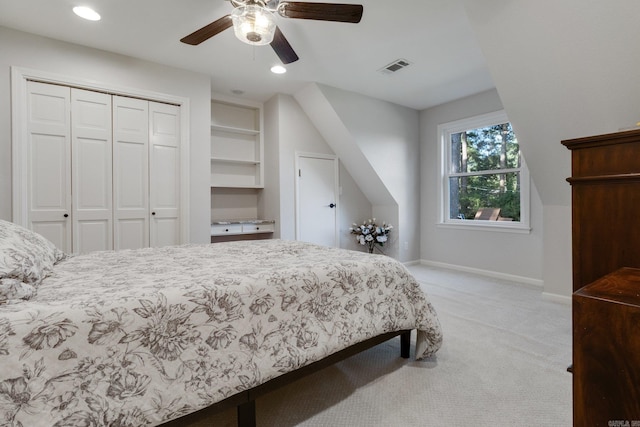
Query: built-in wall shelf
[(236, 186), (236, 144), (232, 130), (237, 170), (237, 161)]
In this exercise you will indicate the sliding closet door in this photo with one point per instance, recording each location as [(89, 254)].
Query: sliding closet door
[(164, 174), (49, 169), (131, 172), (91, 181)]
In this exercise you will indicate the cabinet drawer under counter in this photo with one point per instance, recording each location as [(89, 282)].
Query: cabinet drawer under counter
[(258, 228), (223, 229), (236, 227)]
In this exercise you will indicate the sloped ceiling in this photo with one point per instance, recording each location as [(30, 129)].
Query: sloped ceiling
[(563, 69)]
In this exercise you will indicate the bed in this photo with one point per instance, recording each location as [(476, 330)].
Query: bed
[(144, 337)]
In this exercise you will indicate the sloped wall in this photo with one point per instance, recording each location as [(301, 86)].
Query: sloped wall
[(563, 69), (379, 145), (288, 129), (514, 255)]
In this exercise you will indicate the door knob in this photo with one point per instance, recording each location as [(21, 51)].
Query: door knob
[(331, 205), (153, 213), (66, 215)]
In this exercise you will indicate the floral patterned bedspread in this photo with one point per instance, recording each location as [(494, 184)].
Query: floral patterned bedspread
[(140, 337)]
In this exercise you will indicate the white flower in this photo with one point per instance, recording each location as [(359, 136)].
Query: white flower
[(369, 233)]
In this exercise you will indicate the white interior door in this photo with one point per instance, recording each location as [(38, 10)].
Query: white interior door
[(130, 173), (317, 195), (164, 174), (49, 156), (91, 181)]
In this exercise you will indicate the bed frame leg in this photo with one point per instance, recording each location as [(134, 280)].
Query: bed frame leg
[(247, 414), (405, 344)]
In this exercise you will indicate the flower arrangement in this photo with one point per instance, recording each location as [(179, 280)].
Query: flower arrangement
[(370, 234)]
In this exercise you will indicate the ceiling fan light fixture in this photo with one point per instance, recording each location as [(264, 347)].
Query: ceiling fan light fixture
[(253, 24)]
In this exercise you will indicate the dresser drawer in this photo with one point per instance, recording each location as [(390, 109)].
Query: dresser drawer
[(258, 228), (222, 229)]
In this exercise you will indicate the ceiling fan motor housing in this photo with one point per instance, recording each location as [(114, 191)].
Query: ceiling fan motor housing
[(253, 24)]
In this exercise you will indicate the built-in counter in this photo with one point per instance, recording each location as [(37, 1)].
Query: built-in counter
[(240, 227)]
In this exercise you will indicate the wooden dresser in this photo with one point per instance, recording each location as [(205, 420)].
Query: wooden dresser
[(605, 187), (606, 350)]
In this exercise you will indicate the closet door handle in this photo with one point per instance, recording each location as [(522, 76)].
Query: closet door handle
[(66, 215), (153, 213)]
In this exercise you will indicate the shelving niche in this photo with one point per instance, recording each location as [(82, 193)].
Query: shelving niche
[(236, 145), (237, 170)]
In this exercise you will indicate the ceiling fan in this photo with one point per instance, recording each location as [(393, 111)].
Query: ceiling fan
[(253, 22)]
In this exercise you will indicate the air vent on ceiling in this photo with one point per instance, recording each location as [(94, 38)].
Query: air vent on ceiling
[(395, 66)]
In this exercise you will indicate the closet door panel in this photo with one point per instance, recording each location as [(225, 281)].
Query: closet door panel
[(131, 172), (49, 154), (164, 134), (92, 180)]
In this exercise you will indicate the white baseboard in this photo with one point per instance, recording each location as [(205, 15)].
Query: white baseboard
[(562, 299), (536, 283)]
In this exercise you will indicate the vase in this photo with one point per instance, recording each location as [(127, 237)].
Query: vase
[(371, 247)]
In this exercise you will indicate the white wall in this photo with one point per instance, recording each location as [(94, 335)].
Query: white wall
[(386, 136), (269, 199), (354, 207), (510, 254), (289, 130), (43, 54), (563, 69)]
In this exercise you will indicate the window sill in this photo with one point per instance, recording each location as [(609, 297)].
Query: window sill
[(497, 226)]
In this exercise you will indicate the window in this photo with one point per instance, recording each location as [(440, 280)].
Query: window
[(485, 182)]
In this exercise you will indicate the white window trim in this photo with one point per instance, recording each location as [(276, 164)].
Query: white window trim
[(444, 133)]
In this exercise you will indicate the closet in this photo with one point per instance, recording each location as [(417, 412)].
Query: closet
[(103, 170)]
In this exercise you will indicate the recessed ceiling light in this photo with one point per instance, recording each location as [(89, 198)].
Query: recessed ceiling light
[(86, 13), (278, 69)]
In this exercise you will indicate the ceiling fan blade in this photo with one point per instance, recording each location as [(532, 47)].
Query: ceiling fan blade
[(208, 31), (282, 48), (321, 11)]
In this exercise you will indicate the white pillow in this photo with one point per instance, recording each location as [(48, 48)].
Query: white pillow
[(25, 257)]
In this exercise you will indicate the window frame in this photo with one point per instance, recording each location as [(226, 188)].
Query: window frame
[(445, 130)]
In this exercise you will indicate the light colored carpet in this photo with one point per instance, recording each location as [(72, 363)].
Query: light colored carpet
[(503, 362)]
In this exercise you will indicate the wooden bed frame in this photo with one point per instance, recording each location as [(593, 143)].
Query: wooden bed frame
[(245, 401)]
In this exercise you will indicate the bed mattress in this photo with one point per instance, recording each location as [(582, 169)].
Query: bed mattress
[(140, 337)]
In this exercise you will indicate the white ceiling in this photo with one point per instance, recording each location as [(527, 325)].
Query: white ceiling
[(434, 35)]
